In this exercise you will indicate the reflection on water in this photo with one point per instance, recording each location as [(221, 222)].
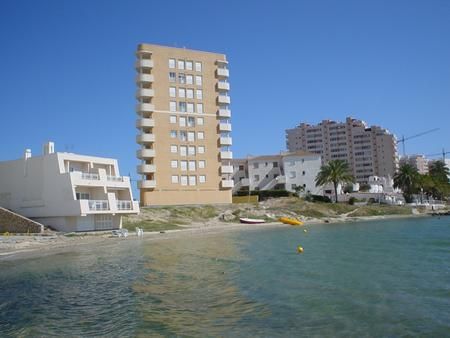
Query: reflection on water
[(360, 279)]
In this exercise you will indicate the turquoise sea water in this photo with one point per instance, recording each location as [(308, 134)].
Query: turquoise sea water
[(389, 278)]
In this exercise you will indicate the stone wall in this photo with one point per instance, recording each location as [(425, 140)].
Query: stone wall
[(15, 223)]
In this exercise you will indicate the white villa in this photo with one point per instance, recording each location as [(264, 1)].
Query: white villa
[(66, 191)]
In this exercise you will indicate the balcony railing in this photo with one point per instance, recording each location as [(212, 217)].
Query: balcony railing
[(124, 205), (89, 176), (98, 205), (114, 178)]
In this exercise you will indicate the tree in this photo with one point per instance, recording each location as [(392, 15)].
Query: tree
[(439, 171), (336, 171), (407, 179)]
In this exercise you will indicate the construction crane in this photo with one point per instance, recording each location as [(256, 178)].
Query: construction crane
[(403, 139), (439, 154)]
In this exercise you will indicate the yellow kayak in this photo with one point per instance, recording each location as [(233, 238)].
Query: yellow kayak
[(291, 221)]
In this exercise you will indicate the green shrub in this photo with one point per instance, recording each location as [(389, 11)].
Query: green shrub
[(352, 200)]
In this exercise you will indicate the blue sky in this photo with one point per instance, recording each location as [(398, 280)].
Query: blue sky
[(67, 68)]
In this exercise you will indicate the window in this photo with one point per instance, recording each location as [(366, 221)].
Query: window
[(256, 177), (202, 179), (192, 180), (292, 174), (191, 136), (172, 92), (173, 119), (198, 80), (181, 78), (183, 165), (200, 135), (183, 135), (292, 163), (82, 195), (174, 179), (184, 180), (275, 164), (181, 92), (201, 164), (171, 63), (191, 122), (198, 66), (173, 134), (189, 65), (255, 165), (201, 149), (241, 167), (180, 64), (190, 107), (183, 150), (182, 106), (200, 121), (191, 150), (192, 166), (200, 108), (199, 94), (173, 149), (172, 77), (303, 173), (173, 106), (174, 164), (190, 93), (182, 121), (189, 79)]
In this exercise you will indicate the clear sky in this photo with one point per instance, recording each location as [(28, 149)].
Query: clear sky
[(67, 68)]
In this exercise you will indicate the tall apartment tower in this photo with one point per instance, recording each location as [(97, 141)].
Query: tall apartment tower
[(370, 151), (183, 126)]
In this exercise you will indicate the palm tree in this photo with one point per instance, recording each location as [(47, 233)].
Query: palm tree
[(439, 171), (336, 171), (407, 179)]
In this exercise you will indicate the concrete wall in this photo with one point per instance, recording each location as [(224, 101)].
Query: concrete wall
[(15, 223)]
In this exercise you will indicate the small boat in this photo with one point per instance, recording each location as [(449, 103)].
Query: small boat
[(291, 221), (251, 220)]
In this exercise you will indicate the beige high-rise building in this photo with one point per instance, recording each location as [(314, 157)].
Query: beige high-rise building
[(417, 161), (184, 126), (370, 151)]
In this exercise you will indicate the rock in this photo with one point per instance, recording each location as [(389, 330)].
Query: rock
[(226, 216)]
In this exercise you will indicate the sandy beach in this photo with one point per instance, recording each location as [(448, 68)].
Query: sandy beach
[(23, 247)]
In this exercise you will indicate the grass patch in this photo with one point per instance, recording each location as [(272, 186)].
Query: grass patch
[(151, 226), (381, 210)]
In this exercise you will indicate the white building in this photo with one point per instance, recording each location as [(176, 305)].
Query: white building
[(66, 191), (285, 171)]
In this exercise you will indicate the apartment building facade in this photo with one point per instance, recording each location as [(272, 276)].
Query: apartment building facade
[(183, 122), (66, 191), (370, 151), (417, 161), (285, 171)]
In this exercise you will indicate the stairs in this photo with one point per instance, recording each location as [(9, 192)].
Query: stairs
[(15, 223)]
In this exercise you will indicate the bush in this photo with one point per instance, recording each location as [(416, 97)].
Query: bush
[(352, 200), (364, 187), (317, 198), (265, 194)]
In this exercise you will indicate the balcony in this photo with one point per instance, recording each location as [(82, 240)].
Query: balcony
[(111, 178), (245, 182), (226, 141), (226, 184), (280, 179), (226, 155), (226, 169), (145, 107), (98, 205), (145, 153), (222, 72), (145, 92), (145, 123), (224, 113), (144, 63), (146, 168), (223, 99), (222, 85), (224, 126), (124, 205), (145, 78), (145, 138), (147, 184)]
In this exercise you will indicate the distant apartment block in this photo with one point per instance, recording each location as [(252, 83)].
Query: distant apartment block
[(417, 161), (66, 191), (286, 171), (183, 122), (370, 151)]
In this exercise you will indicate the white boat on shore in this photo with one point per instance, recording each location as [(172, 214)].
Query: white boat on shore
[(245, 220)]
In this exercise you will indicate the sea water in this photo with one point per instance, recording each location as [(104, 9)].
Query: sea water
[(380, 278)]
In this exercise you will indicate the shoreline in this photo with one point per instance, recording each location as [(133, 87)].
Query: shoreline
[(26, 247)]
